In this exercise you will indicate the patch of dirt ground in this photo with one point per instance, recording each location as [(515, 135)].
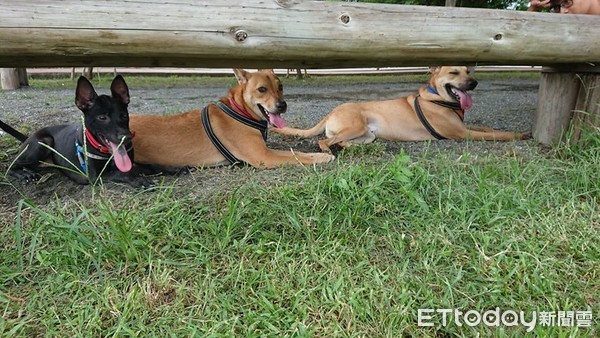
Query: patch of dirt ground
[(506, 104)]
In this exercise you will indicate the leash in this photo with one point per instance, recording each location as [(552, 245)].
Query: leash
[(425, 122), (215, 141)]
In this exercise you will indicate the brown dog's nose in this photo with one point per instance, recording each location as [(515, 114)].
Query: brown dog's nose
[(472, 84), (281, 106)]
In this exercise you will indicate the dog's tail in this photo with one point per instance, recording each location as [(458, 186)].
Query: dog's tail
[(13, 132), (304, 133)]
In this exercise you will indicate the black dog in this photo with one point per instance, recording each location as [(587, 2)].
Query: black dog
[(107, 149)]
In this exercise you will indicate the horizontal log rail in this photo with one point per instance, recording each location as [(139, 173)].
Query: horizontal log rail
[(285, 33)]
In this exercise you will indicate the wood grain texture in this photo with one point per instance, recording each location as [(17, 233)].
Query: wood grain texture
[(290, 34)]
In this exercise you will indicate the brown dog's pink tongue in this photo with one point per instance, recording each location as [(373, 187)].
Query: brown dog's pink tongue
[(122, 160), (277, 120), (466, 101)]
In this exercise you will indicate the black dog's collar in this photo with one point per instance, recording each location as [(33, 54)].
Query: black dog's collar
[(91, 151)]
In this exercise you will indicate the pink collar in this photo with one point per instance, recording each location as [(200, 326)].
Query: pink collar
[(240, 110)]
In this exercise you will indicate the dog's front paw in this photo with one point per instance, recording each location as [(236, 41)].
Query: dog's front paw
[(26, 176), (141, 182), (324, 158)]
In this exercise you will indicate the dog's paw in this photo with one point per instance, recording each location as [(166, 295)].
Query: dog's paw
[(525, 136), (324, 158), (26, 176), (141, 183)]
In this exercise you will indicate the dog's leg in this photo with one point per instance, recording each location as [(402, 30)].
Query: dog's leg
[(133, 178), (356, 133), (271, 158), (480, 128), (156, 169), (368, 137), (31, 154), (494, 135)]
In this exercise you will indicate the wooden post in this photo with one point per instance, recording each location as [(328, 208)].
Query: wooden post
[(9, 78), (587, 109), (566, 99), (88, 72), (23, 80), (450, 3)]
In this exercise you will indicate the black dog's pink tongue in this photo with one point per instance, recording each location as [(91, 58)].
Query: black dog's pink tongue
[(122, 160)]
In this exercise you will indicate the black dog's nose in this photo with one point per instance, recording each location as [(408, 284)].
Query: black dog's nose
[(125, 136)]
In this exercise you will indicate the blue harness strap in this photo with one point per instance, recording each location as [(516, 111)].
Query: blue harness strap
[(81, 156)]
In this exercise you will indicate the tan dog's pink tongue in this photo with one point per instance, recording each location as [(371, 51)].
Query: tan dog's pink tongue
[(466, 101), (122, 160), (277, 120)]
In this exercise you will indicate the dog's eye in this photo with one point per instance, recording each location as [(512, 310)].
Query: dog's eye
[(262, 89), (102, 117), (454, 73)]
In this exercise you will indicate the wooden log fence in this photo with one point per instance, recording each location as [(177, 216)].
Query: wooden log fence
[(306, 34)]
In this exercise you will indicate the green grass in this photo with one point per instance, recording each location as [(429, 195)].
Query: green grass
[(351, 251)]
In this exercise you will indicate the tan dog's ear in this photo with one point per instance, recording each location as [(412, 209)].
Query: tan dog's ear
[(471, 70), (241, 75), (434, 69)]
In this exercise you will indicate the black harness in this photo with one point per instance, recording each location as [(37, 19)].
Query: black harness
[(259, 125), (452, 105)]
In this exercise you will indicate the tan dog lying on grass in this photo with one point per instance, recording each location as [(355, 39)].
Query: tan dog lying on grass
[(436, 112), (232, 130)]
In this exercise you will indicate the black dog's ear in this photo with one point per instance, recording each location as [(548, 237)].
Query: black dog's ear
[(85, 95), (119, 89)]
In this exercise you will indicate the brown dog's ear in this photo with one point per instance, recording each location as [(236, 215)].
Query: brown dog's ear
[(85, 95), (241, 75), (119, 89)]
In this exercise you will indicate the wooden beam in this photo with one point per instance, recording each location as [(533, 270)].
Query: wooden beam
[(285, 34)]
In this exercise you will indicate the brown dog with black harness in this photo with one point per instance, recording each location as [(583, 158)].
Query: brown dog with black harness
[(435, 112), (232, 130)]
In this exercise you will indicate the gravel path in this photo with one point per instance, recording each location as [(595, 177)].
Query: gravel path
[(506, 104)]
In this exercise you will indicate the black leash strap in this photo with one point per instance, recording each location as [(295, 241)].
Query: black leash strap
[(215, 141), (262, 125), (425, 122)]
